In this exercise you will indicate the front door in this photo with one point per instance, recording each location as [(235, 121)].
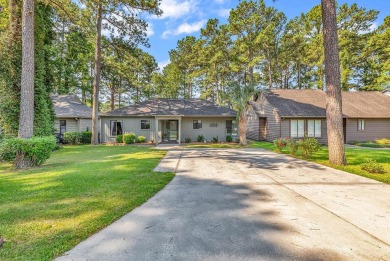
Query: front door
[(173, 126)]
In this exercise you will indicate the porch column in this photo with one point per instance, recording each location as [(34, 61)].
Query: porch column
[(179, 131), (156, 132)]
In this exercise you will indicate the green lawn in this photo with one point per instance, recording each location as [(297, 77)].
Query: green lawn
[(355, 157), (80, 190)]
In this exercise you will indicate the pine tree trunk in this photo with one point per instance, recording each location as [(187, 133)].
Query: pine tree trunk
[(96, 82), (334, 115), (26, 120), (242, 128), (112, 96)]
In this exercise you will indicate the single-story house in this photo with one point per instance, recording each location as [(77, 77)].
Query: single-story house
[(291, 113), (170, 120), (71, 114)]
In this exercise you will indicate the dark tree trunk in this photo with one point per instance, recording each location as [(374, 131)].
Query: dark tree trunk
[(112, 96), (26, 120), (334, 116), (96, 82)]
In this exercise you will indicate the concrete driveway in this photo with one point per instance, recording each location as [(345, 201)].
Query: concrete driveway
[(251, 205)]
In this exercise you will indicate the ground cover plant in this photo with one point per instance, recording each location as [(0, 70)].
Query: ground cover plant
[(46, 211)]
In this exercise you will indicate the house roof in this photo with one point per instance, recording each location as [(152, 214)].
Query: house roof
[(70, 106), (172, 107), (312, 103)]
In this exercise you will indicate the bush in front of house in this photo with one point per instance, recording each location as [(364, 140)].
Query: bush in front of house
[(86, 137), (280, 144), (215, 139), (200, 138), (72, 137), (371, 145), (372, 166), (141, 139), (31, 152), (229, 138), (187, 139), (119, 138), (383, 141), (129, 138), (292, 146), (308, 146)]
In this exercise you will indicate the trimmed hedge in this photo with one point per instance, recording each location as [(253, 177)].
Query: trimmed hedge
[(129, 138), (72, 137), (141, 139), (119, 138), (86, 137), (37, 150)]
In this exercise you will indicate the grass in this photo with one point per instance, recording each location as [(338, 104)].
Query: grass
[(47, 210), (355, 158)]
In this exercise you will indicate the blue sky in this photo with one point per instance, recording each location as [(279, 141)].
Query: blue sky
[(186, 17)]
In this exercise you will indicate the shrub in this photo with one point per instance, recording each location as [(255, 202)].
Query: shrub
[(308, 146), (151, 140), (215, 139), (119, 138), (34, 151), (354, 142), (371, 145), (383, 141), (129, 138), (292, 147), (86, 137), (229, 138), (280, 144), (200, 138), (373, 167), (72, 137), (141, 139), (188, 139)]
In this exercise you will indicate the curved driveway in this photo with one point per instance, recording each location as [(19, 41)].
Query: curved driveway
[(251, 205)]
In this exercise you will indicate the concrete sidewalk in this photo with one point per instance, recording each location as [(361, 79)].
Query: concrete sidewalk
[(251, 204), (170, 162)]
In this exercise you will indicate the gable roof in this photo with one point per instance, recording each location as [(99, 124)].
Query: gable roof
[(312, 103), (70, 106), (172, 107)]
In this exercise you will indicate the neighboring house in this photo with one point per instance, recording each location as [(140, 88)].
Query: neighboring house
[(292, 113), (170, 120), (71, 114)]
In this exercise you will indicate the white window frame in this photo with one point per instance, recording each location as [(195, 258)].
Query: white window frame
[(316, 132), (150, 124), (61, 126), (198, 123), (298, 134), (116, 122), (361, 125), (234, 128)]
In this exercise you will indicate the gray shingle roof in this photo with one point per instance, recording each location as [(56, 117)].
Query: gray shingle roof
[(70, 106), (312, 103), (171, 107)]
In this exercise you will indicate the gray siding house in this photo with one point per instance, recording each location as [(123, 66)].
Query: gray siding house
[(71, 114), (292, 113), (170, 120)]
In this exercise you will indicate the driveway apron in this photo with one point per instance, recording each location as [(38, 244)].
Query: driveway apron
[(251, 204)]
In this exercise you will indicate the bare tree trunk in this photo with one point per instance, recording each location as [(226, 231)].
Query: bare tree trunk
[(112, 96), (95, 107), (242, 128), (26, 120), (334, 115)]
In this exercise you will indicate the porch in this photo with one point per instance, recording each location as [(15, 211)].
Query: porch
[(168, 129)]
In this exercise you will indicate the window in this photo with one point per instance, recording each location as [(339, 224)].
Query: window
[(145, 124), (116, 128), (196, 124), (314, 128), (62, 126), (361, 125), (231, 127), (297, 128)]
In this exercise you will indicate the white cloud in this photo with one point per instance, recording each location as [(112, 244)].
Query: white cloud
[(219, 1), (224, 13), (173, 9), (150, 31), (373, 27), (185, 28), (162, 64)]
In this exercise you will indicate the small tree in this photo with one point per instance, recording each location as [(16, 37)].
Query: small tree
[(240, 97)]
